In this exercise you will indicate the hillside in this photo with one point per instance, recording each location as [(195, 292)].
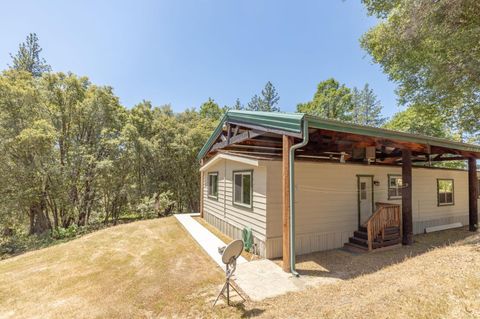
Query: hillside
[(153, 268)]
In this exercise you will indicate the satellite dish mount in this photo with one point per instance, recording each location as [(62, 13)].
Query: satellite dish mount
[(230, 254)]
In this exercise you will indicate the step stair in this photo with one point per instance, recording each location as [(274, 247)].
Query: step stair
[(358, 243)]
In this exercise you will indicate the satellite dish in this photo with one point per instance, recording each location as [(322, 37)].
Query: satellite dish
[(232, 251), (230, 254)]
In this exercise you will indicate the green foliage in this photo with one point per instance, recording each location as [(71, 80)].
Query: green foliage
[(367, 109), (266, 102), (28, 58), (331, 101), (420, 119), (211, 110), (430, 48), (146, 207), (72, 155), (21, 242), (238, 105), (69, 232), (164, 203)]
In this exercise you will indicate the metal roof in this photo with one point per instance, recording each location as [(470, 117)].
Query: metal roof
[(291, 123)]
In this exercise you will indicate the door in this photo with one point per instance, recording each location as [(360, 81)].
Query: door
[(365, 198)]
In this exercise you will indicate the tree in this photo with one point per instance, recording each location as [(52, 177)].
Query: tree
[(27, 142), (367, 109), (238, 105), (211, 110), (420, 119), (430, 48), (331, 101), (267, 102), (28, 57)]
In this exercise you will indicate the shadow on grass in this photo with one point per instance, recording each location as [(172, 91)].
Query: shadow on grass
[(342, 264), (249, 313)]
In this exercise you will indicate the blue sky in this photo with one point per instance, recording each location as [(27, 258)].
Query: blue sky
[(183, 52)]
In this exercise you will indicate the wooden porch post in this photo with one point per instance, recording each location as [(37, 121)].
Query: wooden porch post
[(407, 221), (287, 143), (472, 194)]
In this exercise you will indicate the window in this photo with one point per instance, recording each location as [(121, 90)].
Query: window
[(394, 186), (363, 190), (242, 188), (213, 185), (445, 192)]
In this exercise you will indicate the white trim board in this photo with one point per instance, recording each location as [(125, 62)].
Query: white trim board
[(249, 161)]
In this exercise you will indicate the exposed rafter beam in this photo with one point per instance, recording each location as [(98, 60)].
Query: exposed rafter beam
[(237, 139)]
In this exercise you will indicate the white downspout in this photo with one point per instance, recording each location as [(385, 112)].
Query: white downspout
[(291, 161)]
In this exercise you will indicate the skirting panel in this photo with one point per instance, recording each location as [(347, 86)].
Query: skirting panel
[(307, 243), (419, 226), (232, 231)]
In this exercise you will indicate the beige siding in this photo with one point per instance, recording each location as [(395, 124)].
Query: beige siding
[(230, 218), (326, 202)]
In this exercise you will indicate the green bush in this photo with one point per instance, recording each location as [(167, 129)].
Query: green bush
[(69, 232)]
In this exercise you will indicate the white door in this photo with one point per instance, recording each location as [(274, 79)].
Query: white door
[(365, 197)]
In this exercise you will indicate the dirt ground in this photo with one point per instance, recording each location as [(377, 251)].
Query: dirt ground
[(153, 269)]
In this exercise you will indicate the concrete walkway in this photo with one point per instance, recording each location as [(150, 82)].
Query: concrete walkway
[(208, 241), (259, 279)]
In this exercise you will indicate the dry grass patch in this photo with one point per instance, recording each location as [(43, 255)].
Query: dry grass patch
[(144, 269), (427, 280), (153, 269)]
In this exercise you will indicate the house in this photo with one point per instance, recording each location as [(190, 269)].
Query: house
[(305, 184)]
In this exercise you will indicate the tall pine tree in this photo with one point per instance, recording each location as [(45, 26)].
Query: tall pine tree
[(267, 101), (367, 109), (28, 57)]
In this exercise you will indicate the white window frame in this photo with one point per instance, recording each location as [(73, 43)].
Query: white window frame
[(210, 185), (397, 187), (241, 201)]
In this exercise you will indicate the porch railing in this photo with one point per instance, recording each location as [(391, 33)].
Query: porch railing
[(386, 215)]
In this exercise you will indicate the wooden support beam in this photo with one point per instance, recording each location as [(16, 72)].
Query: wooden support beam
[(287, 143), (407, 220), (229, 133), (236, 139), (235, 131), (472, 194)]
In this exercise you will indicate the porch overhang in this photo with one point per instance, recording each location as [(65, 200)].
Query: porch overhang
[(260, 133)]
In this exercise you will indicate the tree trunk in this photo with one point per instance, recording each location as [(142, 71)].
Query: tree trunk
[(39, 222)]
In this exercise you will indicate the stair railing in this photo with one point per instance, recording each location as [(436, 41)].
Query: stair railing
[(386, 215)]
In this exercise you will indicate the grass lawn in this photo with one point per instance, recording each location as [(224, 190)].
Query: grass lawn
[(139, 270), (153, 268)]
